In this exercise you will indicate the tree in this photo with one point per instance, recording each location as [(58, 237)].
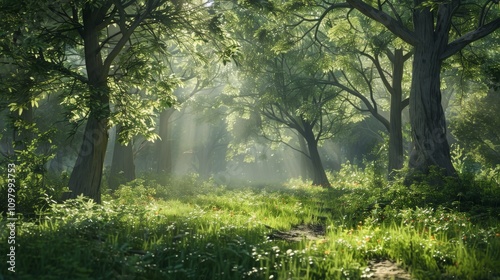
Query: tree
[(435, 30), (95, 55), (279, 94), (433, 42), (91, 20), (365, 61), (358, 60)]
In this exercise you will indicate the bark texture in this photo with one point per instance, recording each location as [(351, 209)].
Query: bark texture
[(305, 161), (396, 155), (87, 172), (430, 146)]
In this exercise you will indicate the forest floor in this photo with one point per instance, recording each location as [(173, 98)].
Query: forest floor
[(377, 269), (198, 230), (382, 270)]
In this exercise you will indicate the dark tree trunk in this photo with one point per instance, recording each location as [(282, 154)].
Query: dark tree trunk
[(396, 156), (122, 165), (430, 146), (87, 171), (318, 171), (164, 147)]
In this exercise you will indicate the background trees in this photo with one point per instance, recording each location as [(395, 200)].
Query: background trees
[(292, 75), (279, 92), (368, 64), (427, 27), (112, 47), (433, 40)]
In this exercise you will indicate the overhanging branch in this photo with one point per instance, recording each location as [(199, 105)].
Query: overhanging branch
[(470, 37)]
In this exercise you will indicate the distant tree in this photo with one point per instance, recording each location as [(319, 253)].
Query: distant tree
[(369, 64), (365, 61), (198, 69), (279, 94)]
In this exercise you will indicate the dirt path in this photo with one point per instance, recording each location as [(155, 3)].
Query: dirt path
[(386, 270), (379, 270)]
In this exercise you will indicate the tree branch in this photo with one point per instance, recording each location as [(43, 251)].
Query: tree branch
[(390, 23), (150, 6), (405, 103), (470, 37)]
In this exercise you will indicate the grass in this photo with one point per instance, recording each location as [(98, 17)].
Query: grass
[(191, 230)]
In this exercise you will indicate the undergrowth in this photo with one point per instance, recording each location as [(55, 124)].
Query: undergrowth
[(186, 229)]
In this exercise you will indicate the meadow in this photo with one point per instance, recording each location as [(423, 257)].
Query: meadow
[(165, 228)]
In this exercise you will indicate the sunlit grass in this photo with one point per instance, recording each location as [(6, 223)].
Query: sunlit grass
[(206, 231)]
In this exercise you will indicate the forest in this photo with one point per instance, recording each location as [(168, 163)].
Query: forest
[(250, 139)]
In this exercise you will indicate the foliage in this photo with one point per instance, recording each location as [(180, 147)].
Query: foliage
[(35, 188), (194, 230), (476, 128)]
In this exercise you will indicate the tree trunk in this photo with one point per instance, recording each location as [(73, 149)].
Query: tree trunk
[(396, 156), (430, 146), (87, 172), (164, 147), (319, 174), (305, 161), (122, 165), (202, 155)]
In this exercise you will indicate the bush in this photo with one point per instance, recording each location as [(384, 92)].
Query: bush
[(149, 187), (35, 189)]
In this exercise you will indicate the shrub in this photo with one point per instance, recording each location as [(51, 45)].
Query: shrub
[(35, 189)]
